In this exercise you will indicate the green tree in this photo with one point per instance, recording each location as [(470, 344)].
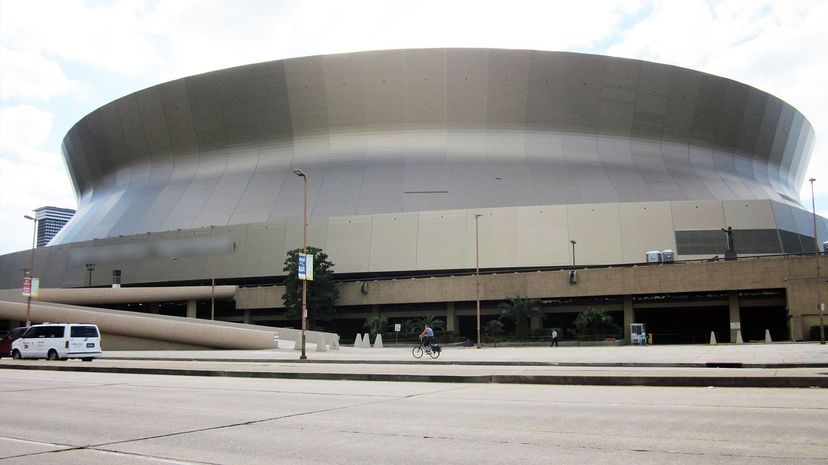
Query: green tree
[(376, 324), (493, 329), (322, 291), (416, 325), (594, 322), (521, 312)]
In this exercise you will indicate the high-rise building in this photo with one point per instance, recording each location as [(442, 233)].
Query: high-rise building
[(49, 222)]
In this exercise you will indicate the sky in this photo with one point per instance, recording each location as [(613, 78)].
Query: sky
[(62, 59)]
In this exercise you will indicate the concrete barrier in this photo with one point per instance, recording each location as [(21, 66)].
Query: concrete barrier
[(713, 337), (358, 341), (768, 336), (366, 341), (378, 342), (321, 345), (739, 337)]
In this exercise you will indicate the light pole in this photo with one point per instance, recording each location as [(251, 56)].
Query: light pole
[(816, 257), (90, 267), (304, 177), (31, 271), (477, 270), (573, 252), (212, 287)]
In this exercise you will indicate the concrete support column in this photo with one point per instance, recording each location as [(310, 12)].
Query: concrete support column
[(247, 316), (735, 320), (451, 317), (536, 322), (375, 310), (191, 309), (629, 317)]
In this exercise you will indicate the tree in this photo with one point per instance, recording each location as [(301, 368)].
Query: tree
[(322, 291), (376, 324), (416, 325), (521, 312), (493, 329), (594, 322)]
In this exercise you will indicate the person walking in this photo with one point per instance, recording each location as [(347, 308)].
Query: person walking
[(554, 338)]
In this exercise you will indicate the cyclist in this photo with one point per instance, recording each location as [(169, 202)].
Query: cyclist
[(426, 337)]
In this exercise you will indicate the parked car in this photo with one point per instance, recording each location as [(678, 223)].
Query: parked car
[(58, 341), (8, 337)]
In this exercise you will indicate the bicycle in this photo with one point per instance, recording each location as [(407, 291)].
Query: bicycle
[(434, 350)]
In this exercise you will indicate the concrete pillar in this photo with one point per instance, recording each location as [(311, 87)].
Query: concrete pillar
[(451, 317), (247, 316), (735, 321), (375, 310), (536, 322), (629, 317), (192, 306)]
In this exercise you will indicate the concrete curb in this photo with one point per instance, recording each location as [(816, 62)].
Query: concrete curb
[(597, 380), (482, 363)]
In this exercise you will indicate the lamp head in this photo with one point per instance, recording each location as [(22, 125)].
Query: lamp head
[(812, 180), (299, 172), (29, 217)]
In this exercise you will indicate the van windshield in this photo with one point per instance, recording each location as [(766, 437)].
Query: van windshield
[(84, 331)]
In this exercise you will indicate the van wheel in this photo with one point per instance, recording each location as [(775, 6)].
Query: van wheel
[(16, 354), (52, 355)]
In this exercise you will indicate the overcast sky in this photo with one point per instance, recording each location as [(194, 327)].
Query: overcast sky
[(62, 59)]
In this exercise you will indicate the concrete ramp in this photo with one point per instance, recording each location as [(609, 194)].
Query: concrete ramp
[(141, 331)]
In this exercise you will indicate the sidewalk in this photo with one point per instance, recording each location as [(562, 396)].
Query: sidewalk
[(725, 365)]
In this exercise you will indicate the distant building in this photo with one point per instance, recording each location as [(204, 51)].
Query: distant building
[(49, 221)]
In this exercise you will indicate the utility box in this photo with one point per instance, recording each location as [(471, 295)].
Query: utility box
[(668, 256)]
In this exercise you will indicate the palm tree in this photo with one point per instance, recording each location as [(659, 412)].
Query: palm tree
[(376, 324), (521, 311), (416, 325)]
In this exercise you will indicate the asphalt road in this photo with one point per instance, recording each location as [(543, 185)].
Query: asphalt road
[(81, 418)]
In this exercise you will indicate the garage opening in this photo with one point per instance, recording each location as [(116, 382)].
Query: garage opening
[(685, 325)]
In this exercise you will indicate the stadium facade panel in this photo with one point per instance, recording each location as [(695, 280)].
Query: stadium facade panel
[(404, 147)]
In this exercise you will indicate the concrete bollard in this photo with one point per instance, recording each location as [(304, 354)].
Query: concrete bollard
[(321, 346), (335, 342), (739, 337), (767, 336), (276, 341), (378, 342), (366, 341), (358, 341), (713, 337)]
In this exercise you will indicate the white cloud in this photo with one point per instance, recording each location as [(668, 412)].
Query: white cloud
[(115, 36), (35, 182), (23, 127), (25, 75)]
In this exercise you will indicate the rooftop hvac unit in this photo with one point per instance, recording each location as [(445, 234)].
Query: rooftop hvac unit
[(668, 256), (654, 256)]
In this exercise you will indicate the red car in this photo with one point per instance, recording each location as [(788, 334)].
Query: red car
[(7, 339)]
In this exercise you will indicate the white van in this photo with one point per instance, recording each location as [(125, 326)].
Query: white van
[(59, 341)]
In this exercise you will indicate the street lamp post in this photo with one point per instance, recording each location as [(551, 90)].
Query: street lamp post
[(90, 267), (477, 270), (304, 177), (212, 287), (31, 271), (820, 308), (573, 252)]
